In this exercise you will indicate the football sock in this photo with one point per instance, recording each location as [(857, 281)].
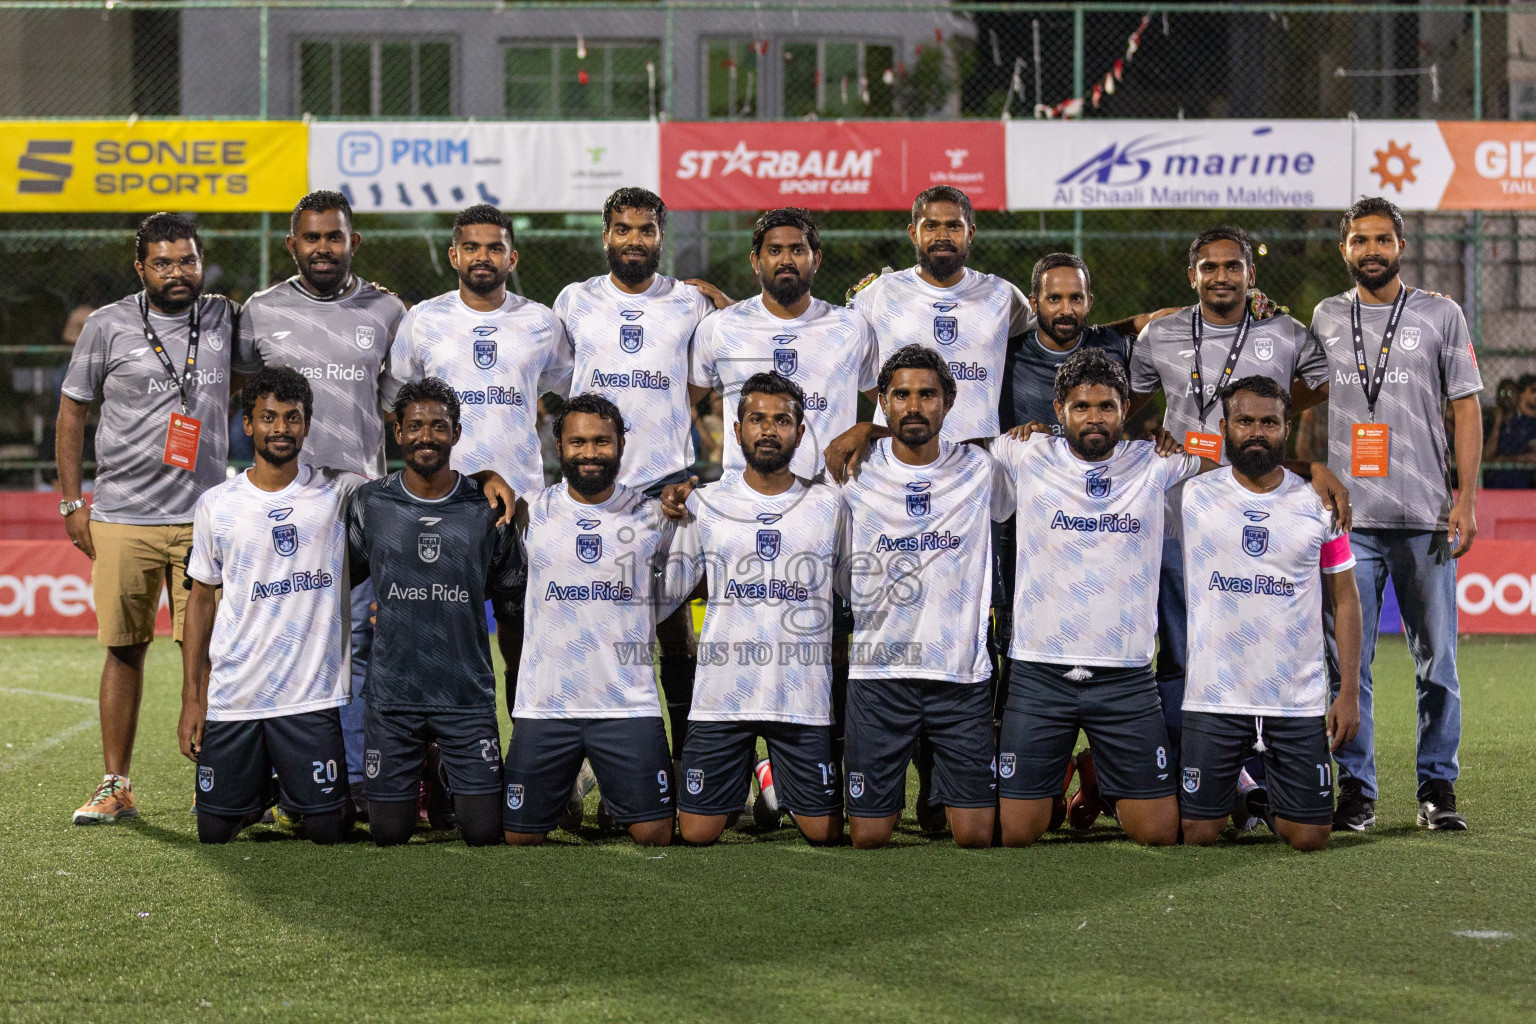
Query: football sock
[(479, 818), (392, 822), (677, 683)]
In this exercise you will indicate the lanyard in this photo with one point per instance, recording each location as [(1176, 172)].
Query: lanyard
[(1197, 333), (193, 328), (1372, 384)]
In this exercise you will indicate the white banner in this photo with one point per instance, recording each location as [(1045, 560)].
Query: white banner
[(411, 166), (1145, 165)]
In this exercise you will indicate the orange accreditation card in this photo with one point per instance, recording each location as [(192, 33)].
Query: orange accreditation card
[(181, 442), (1207, 446), (1368, 449)]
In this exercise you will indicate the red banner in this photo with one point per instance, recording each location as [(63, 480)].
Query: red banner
[(1496, 587), (45, 590), (829, 165)]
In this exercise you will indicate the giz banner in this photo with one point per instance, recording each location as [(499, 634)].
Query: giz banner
[(132, 166), (411, 166), (45, 589), (828, 165), (1448, 165)]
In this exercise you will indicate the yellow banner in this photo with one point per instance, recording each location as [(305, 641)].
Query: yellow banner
[(118, 166)]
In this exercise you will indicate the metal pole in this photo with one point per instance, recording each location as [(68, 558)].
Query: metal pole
[(669, 112), (1476, 245), (264, 254), (1078, 87)]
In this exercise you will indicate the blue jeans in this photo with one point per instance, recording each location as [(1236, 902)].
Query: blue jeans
[(1172, 640), (362, 647), (1424, 579)]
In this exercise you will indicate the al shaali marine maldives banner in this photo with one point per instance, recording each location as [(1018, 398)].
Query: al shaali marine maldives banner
[(412, 166)]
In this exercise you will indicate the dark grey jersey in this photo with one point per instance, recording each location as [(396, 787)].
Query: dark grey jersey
[(1029, 374), (114, 364), (433, 565), (341, 344)]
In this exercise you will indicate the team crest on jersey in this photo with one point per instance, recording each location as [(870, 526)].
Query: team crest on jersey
[(1191, 780), (1006, 765), (485, 353), (768, 544), (1255, 540), (205, 777), (589, 547), (1098, 482), (946, 329), (429, 546), (215, 341), (695, 781), (1409, 338), (785, 360), (371, 763), (515, 795), (855, 784), (1264, 348), (918, 505), (285, 539), (631, 337), (365, 337)]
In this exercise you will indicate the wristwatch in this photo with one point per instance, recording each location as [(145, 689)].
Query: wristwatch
[(68, 508)]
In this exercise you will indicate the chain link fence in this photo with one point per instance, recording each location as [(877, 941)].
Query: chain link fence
[(684, 60)]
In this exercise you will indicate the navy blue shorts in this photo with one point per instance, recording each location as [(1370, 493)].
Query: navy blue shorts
[(629, 756), (718, 758), (235, 765), (1298, 769), (395, 747), (885, 717), (1117, 707)]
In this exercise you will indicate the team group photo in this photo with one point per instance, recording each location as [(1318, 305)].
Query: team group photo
[(783, 587)]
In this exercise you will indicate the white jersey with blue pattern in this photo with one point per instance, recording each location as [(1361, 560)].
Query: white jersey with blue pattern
[(633, 350), (281, 642), (969, 324), (593, 603), (498, 363), (1090, 545), (765, 651), (1253, 577), (920, 563)]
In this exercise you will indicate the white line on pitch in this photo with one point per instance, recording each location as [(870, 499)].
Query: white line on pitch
[(46, 693), (58, 737)]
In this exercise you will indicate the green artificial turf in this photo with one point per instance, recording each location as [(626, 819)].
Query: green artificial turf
[(137, 922)]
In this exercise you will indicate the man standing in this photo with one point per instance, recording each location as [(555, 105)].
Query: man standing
[(770, 543), (1398, 355), (158, 362), (335, 329), (920, 555), (499, 352), (435, 552), (1190, 356), (828, 350), (630, 331), (265, 669), (596, 588), (1261, 556)]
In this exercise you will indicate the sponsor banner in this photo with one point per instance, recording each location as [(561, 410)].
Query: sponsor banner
[(45, 589), (410, 166), (1145, 165), (1448, 165), (828, 165), (133, 166), (1496, 587)]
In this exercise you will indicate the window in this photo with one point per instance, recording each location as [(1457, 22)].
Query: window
[(582, 80), (375, 78), (730, 78), (831, 78)]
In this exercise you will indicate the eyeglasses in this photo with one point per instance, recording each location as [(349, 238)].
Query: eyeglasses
[(189, 264)]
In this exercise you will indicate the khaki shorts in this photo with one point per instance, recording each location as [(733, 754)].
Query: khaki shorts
[(131, 569)]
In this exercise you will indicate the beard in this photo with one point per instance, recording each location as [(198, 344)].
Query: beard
[(484, 285), (179, 303), (915, 431), (767, 458), (590, 485), (942, 262), (1375, 275), (1227, 306), (426, 458), (787, 291), (630, 273), (326, 279), (1093, 447), (1063, 330), (1255, 458), (281, 458)]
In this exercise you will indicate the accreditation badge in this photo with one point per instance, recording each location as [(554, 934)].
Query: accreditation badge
[(1207, 446), (181, 441), (1368, 449)]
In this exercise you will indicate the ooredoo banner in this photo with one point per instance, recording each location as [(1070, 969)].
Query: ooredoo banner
[(45, 589), (1448, 165), (414, 166), (1496, 587), (829, 165)]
